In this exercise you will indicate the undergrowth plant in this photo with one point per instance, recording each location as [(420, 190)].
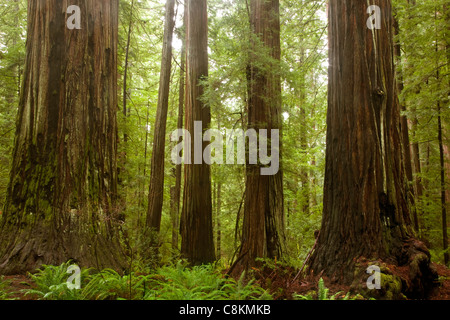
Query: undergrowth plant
[(4, 295), (201, 283), (109, 284), (51, 283), (322, 294), (175, 282)]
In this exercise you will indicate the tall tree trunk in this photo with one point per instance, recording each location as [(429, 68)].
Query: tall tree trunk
[(218, 217), (303, 132), (417, 170), (304, 172), (406, 148), (263, 223), (415, 155), (176, 190), (156, 188), (197, 243), (125, 73), (15, 39), (61, 198), (123, 173), (365, 213)]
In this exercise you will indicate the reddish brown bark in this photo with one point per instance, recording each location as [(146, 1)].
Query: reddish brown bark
[(263, 223), (197, 244), (365, 212), (175, 190), (61, 199), (156, 188)]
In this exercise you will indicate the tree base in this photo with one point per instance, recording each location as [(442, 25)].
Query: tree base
[(29, 249), (411, 276)]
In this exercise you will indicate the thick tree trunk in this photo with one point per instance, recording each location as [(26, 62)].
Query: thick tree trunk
[(197, 243), (263, 223), (156, 188), (365, 214), (63, 186)]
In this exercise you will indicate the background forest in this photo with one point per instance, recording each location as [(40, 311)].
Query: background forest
[(422, 62)]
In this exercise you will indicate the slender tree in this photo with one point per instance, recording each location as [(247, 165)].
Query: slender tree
[(62, 191), (406, 147), (156, 188), (125, 96), (175, 190), (441, 156), (197, 243), (365, 213)]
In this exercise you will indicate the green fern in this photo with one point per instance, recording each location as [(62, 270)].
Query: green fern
[(242, 290), (176, 282), (109, 285), (201, 283), (4, 295), (322, 294), (51, 283)]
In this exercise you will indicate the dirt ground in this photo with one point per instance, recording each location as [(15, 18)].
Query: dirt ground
[(443, 292)]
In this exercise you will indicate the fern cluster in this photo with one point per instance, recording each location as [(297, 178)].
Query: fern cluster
[(202, 283), (177, 282), (51, 283)]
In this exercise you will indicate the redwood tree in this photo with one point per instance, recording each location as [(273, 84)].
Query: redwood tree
[(61, 198), (175, 191), (365, 208), (156, 188), (197, 244), (263, 223)]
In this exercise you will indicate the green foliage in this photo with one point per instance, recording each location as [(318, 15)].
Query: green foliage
[(201, 283), (110, 285), (424, 72), (322, 294), (181, 283), (4, 284), (12, 57), (51, 283), (177, 282)]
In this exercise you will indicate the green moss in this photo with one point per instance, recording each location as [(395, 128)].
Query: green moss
[(391, 285)]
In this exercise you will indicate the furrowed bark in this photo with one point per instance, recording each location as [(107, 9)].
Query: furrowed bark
[(366, 214), (197, 243), (61, 198)]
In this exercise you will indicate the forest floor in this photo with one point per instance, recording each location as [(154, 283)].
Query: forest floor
[(280, 282), (443, 293), (283, 287)]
